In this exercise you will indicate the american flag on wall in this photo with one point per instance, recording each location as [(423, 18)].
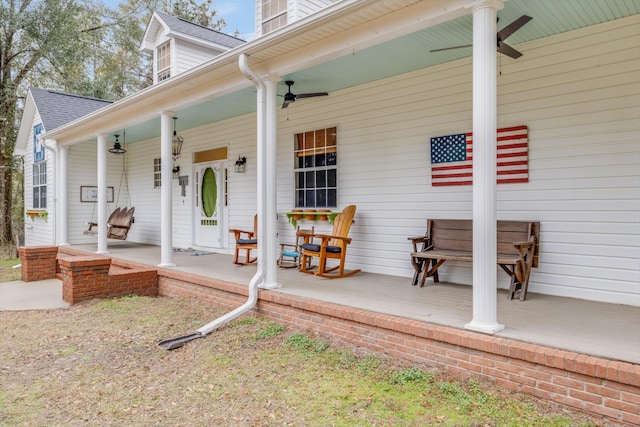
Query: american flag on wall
[(451, 157)]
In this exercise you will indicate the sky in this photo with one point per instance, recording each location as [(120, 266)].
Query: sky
[(238, 14)]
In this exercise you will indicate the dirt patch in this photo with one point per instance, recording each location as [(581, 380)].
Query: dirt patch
[(97, 364)]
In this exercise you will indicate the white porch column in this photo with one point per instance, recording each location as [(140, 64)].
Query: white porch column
[(269, 239), (102, 193), (63, 198), (484, 167), (166, 203)]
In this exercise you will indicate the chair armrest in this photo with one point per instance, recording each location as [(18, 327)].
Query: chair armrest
[(417, 240), (237, 233), (524, 244), (327, 237)]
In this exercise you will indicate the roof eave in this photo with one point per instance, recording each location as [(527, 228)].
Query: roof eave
[(195, 86)]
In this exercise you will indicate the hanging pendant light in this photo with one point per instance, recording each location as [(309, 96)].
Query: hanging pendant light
[(176, 142), (117, 148)]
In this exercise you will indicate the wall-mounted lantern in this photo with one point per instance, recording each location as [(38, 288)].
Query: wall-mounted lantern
[(241, 164), (176, 142)]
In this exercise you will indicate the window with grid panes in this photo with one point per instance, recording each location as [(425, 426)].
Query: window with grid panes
[(316, 169), (157, 173), (274, 15), (40, 185), (163, 61)]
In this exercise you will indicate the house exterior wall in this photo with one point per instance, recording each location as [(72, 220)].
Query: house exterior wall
[(577, 93), (38, 230), (303, 8), (579, 99), (82, 172), (296, 10), (189, 55)]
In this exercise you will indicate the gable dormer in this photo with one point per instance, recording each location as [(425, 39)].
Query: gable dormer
[(274, 14), (178, 45)]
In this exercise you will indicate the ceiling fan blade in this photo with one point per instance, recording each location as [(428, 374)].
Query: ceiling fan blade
[(310, 95), (452, 47), (508, 50), (513, 27)]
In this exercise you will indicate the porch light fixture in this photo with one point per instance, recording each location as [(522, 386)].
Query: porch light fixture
[(241, 164), (117, 148), (176, 172), (176, 142)]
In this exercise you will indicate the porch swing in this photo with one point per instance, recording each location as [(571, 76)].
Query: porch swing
[(121, 219)]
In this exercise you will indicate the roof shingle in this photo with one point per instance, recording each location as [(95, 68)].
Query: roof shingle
[(59, 108), (182, 26)]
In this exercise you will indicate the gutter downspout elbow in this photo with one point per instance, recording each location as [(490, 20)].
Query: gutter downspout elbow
[(174, 343)]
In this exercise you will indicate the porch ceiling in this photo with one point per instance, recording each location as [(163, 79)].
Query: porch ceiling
[(396, 55)]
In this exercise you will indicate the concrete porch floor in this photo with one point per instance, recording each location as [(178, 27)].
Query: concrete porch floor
[(593, 328)]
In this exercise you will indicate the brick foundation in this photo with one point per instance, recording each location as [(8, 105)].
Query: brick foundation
[(38, 262), (85, 276), (604, 388)]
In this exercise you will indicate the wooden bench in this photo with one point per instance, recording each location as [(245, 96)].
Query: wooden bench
[(452, 239)]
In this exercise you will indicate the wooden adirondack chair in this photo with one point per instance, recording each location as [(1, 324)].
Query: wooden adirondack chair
[(247, 243), (333, 246)]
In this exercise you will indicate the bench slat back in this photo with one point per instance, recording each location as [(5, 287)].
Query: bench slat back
[(457, 235), (451, 234)]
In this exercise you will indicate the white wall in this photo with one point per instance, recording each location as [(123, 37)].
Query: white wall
[(296, 10), (579, 95), (83, 172), (38, 231), (577, 92), (189, 55)]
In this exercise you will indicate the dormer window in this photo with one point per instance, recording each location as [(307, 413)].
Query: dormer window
[(163, 61), (274, 15)]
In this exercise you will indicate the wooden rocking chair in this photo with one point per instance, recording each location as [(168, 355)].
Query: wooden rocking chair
[(247, 243), (333, 246)]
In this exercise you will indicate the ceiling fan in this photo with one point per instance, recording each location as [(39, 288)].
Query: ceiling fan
[(291, 97), (502, 35)]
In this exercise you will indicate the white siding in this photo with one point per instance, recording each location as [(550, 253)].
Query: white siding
[(38, 231), (83, 172), (296, 9), (302, 8), (189, 55), (578, 93)]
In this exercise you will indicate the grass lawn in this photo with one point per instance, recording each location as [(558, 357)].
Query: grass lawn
[(97, 364), (7, 273)]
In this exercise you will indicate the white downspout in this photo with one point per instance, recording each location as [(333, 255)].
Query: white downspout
[(174, 343)]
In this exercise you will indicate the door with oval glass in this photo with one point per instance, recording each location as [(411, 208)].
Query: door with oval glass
[(209, 209)]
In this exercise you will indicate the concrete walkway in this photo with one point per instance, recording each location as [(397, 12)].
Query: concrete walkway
[(40, 295)]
